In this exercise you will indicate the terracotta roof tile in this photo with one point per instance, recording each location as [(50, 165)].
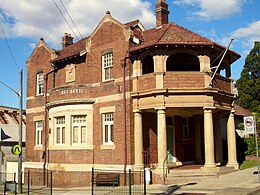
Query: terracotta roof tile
[(172, 33), (241, 111), (71, 50), (132, 23)]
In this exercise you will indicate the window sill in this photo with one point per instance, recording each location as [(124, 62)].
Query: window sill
[(108, 80), (106, 147), (38, 147)]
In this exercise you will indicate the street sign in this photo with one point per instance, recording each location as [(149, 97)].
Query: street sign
[(16, 149), (249, 125)]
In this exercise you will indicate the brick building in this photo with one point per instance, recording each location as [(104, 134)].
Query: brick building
[(123, 96)]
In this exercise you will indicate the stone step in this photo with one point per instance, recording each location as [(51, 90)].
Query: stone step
[(181, 176), (187, 179)]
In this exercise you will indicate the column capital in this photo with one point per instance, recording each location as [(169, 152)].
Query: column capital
[(161, 111), (209, 108), (137, 111)]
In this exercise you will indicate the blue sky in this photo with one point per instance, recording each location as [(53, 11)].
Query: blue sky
[(26, 21)]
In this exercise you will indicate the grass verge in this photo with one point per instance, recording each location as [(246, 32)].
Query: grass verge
[(248, 164)]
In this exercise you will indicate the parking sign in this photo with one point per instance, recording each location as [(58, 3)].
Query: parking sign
[(249, 125)]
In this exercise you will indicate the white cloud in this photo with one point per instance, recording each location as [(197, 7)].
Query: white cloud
[(35, 19), (213, 9), (248, 35)]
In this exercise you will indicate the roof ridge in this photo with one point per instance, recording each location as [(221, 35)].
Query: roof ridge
[(163, 33)]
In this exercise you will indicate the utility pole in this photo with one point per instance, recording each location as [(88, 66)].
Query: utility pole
[(20, 142)]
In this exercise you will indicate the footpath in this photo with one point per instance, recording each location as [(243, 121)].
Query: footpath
[(242, 182)]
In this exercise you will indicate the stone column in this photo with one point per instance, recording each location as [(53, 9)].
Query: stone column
[(161, 136), (138, 129), (209, 138), (231, 141), (218, 140), (197, 141)]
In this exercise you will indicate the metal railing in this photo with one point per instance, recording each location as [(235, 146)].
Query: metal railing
[(135, 182), (165, 168)]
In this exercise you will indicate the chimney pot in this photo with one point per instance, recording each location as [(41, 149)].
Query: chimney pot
[(67, 40)]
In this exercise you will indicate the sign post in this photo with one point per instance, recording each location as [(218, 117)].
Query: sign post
[(250, 128)]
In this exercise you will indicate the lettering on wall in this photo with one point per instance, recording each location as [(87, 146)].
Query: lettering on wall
[(71, 91)]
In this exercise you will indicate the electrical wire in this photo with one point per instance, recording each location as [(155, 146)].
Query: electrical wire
[(57, 6), (8, 46), (71, 19), (66, 20)]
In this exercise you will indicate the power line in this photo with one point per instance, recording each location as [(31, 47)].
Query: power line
[(10, 51), (71, 19), (57, 6), (65, 20)]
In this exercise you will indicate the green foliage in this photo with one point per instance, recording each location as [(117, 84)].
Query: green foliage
[(247, 164), (248, 84), (251, 147)]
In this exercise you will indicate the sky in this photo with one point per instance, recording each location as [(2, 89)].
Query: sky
[(24, 22)]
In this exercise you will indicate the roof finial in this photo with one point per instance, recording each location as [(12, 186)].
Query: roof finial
[(108, 12)]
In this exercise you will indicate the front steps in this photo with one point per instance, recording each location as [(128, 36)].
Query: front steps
[(184, 176)]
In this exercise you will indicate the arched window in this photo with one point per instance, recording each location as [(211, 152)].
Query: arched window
[(182, 62), (147, 65)]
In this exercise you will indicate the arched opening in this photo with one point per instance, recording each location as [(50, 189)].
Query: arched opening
[(147, 65), (182, 62), (213, 65)]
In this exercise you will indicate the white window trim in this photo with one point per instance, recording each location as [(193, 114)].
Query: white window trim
[(107, 66), (38, 83), (79, 125), (38, 133), (109, 123), (60, 126)]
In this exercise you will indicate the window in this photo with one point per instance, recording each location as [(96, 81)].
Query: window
[(108, 128), (40, 83), (38, 129), (107, 65), (186, 131), (60, 130), (79, 129)]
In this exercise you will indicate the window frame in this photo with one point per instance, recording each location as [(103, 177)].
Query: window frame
[(79, 133), (108, 121), (62, 130), (38, 133), (107, 64), (39, 83)]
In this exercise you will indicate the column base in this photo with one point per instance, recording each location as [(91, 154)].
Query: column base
[(233, 164), (209, 165), (210, 169)]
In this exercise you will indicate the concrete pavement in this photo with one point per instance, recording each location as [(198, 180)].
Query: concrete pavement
[(239, 182)]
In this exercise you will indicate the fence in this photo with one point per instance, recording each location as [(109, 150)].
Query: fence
[(38, 182), (7, 182), (113, 182)]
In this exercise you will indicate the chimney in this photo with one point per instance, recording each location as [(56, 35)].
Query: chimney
[(161, 10), (67, 40)]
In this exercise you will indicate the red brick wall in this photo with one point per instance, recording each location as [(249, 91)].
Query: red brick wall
[(150, 135), (146, 82), (88, 72), (222, 83), (183, 80)]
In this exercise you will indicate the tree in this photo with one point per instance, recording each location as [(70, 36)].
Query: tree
[(248, 84)]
